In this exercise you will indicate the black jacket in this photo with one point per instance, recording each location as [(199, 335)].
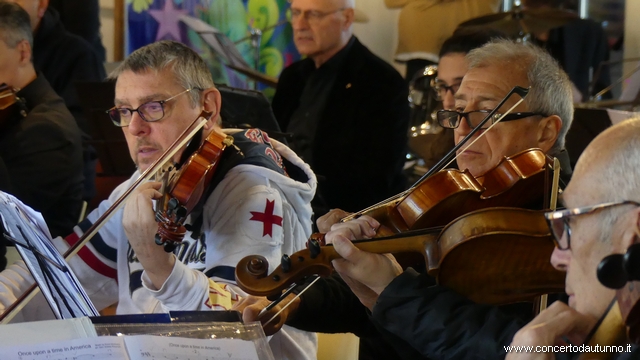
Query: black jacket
[(360, 143), (89, 28), (65, 59), (42, 153)]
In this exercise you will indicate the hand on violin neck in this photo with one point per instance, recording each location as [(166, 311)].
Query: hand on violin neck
[(362, 269), (363, 227), (550, 327), (251, 306), (140, 226), (334, 216)]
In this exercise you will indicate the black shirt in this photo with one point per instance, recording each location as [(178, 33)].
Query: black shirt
[(318, 86), (42, 153)]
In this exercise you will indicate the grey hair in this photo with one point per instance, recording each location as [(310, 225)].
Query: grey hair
[(550, 93), (15, 24), (189, 69), (619, 175)]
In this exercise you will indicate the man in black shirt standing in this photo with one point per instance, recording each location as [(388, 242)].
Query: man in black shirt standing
[(346, 108)]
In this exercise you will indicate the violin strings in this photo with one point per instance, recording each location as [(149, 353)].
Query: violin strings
[(292, 300)]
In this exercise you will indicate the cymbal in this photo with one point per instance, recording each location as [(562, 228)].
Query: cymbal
[(519, 22), (255, 75)]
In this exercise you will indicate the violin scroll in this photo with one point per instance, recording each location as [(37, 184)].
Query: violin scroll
[(252, 272)]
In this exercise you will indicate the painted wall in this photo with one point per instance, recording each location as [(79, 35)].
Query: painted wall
[(379, 34)]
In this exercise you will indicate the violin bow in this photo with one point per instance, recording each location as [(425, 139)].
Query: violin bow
[(281, 297), (451, 155), (178, 144)]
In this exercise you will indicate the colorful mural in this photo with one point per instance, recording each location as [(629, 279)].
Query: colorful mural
[(153, 20)]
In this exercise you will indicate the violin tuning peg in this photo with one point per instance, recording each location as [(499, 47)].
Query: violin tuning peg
[(314, 248), (632, 262), (181, 212), (285, 263), (611, 272), (172, 204)]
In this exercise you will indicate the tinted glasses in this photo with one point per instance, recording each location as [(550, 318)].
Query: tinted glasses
[(149, 111)]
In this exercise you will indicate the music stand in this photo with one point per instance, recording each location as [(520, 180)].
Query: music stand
[(225, 49), (27, 230)]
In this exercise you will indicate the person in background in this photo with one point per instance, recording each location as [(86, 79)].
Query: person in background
[(346, 108), (64, 59), (82, 17), (451, 69), (40, 142)]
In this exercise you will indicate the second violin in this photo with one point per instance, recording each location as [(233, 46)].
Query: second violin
[(492, 256)]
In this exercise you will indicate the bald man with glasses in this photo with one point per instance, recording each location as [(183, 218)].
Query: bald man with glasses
[(602, 218)]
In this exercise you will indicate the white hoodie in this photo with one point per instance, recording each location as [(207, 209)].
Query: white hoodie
[(253, 210)]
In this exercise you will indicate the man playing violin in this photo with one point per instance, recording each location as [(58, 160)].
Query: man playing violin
[(40, 143), (419, 317), (257, 202), (602, 218)]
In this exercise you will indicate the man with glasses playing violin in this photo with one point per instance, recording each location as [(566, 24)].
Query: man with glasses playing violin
[(258, 201), (422, 319), (346, 108), (602, 218)]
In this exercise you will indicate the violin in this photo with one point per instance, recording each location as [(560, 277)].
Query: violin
[(12, 107), (186, 187), (520, 180), (468, 256), (155, 167)]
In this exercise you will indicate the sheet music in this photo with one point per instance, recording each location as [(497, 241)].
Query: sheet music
[(57, 282), (147, 347), (139, 347), (98, 348)]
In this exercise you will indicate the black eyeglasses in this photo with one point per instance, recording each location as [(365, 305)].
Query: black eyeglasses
[(441, 89), (559, 220), (149, 112), (450, 119)]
